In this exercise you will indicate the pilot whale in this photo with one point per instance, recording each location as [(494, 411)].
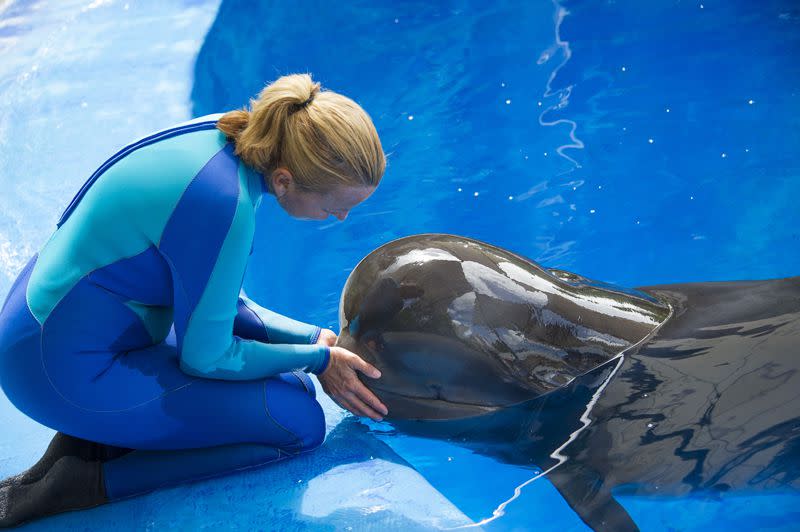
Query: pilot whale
[(660, 390)]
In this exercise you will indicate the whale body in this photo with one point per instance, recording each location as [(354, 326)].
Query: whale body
[(659, 391)]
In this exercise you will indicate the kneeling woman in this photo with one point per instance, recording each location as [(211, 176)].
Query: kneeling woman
[(159, 236)]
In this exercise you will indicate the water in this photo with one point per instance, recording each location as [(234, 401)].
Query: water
[(527, 126)]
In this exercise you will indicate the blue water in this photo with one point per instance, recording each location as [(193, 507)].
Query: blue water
[(632, 142)]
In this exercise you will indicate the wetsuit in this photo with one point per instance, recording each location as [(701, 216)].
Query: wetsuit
[(159, 235)]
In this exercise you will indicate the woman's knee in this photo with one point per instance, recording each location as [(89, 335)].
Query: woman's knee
[(313, 436), (310, 429), (296, 414)]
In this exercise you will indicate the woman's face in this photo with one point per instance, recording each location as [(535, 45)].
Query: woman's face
[(314, 205)]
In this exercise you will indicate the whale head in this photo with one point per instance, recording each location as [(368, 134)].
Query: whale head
[(460, 328)]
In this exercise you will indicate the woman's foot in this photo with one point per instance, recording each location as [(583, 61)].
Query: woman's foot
[(65, 445), (71, 483)]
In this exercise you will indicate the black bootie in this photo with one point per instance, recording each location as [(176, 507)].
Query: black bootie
[(65, 445), (71, 483)]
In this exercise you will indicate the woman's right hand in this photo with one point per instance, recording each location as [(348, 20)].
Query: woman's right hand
[(340, 382)]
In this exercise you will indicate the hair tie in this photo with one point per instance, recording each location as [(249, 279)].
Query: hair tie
[(302, 105)]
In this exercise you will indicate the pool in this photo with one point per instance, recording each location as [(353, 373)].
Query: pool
[(635, 143)]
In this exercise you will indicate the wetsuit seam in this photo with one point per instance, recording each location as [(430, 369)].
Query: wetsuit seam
[(266, 410)]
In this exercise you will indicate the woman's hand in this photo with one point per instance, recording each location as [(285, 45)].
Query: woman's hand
[(326, 337), (339, 380)]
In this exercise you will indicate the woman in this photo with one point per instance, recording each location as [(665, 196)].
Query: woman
[(159, 235)]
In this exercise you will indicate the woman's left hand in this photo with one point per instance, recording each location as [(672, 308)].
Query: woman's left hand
[(326, 337)]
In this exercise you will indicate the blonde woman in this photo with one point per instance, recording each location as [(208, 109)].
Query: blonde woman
[(128, 330)]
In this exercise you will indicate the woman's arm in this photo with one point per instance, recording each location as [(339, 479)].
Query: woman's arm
[(206, 244), (255, 322)]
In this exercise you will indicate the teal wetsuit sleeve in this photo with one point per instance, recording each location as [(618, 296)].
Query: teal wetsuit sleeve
[(206, 244), (269, 326)]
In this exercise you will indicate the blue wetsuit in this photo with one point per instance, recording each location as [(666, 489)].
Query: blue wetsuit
[(159, 235)]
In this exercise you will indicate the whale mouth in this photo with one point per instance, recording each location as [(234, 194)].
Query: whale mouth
[(411, 407)]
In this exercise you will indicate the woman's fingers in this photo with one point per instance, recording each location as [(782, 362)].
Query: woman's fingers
[(366, 396), (364, 393), (365, 367), (362, 409), (346, 402), (349, 391)]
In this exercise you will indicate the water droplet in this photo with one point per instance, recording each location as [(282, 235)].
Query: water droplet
[(650, 425), (511, 197), (724, 155), (624, 69), (508, 102), (624, 129), (459, 189), (526, 157), (591, 211), (411, 117), (299, 481), (701, 6), (539, 104), (449, 458), (84, 105), (747, 150), (751, 102), (599, 187), (645, 395), (475, 194), (396, 20), (502, 84), (691, 197), (650, 141), (637, 222), (668, 109)]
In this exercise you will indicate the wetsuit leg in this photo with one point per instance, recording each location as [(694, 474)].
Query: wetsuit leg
[(140, 398), (143, 471)]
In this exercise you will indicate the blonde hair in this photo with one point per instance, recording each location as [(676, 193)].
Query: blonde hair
[(324, 139)]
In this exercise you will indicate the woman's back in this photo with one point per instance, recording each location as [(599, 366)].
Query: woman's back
[(113, 231)]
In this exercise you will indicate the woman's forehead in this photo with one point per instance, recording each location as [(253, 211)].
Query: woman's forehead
[(352, 195)]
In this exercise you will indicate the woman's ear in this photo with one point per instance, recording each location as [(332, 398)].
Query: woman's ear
[(282, 181)]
